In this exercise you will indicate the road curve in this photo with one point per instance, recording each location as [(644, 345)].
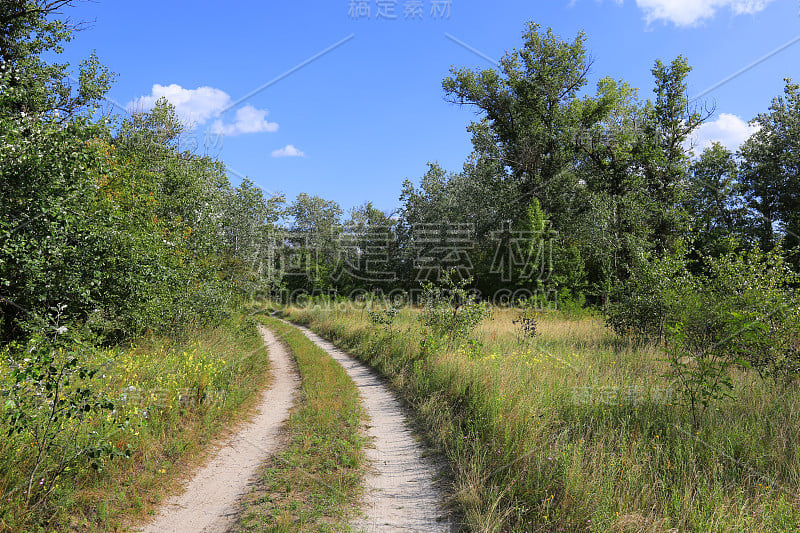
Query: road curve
[(208, 503)]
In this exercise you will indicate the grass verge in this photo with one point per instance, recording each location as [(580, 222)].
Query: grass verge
[(315, 483), (176, 394), (575, 430)]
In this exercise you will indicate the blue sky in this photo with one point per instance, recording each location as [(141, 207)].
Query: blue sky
[(357, 120)]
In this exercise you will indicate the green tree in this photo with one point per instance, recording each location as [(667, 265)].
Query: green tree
[(528, 102), (769, 171), (433, 201), (369, 255), (249, 226), (175, 206), (51, 230), (314, 231), (661, 151), (52, 159), (29, 84), (610, 225), (714, 202)]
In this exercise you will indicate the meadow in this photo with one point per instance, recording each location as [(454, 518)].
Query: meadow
[(576, 429), (169, 397)]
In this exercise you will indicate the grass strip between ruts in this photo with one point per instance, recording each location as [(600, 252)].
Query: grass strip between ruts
[(315, 482)]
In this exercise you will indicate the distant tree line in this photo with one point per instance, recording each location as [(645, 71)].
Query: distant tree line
[(566, 193)]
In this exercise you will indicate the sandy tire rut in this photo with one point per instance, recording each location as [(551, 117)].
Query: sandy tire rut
[(401, 495), (208, 503)]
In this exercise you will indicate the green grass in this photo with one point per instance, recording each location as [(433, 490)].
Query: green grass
[(575, 430), (178, 393), (315, 482)]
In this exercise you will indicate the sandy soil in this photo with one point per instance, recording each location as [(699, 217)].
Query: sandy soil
[(208, 503), (401, 495)]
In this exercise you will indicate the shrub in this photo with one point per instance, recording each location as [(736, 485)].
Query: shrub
[(450, 311), (753, 294), (741, 311), (697, 353), (644, 303), (385, 316), (55, 412)]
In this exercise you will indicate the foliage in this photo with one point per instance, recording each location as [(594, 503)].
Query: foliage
[(734, 310), (53, 403), (769, 169), (312, 238), (717, 211), (645, 302), (661, 152), (125, 231), (754, 294), (450, 311), (386, 316), (109, 231), (528, 105), (29, 85), (699, 363)]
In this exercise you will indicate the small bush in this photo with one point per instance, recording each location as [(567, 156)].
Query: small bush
[(753, 294), (526, 324), (450, 311), (56, 414), (644, 303), (385, 317), (742, 311)]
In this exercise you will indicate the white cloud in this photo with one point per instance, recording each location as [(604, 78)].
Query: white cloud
[(248, 120), (691, 12), (728, 130), (288, 151), (195, 107)]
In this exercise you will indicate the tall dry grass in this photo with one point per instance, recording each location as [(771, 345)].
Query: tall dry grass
[(577, 430)]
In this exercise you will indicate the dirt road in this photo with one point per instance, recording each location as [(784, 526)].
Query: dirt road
[(401, 495), (208, 503)]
